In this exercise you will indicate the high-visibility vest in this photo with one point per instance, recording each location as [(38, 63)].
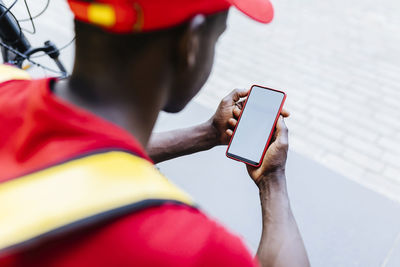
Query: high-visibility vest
[(77, 194)]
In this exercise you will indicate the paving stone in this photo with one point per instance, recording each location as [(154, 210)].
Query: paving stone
[(390, 144), (392, 158), (360, 145), (391, 172), (363, 160), (343, 166)]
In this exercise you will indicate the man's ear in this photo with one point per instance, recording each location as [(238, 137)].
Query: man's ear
[(190, 42)]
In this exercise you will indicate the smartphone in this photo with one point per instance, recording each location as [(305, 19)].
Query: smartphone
[(256, 125)]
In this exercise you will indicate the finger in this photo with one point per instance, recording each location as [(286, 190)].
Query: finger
[(236, 112), (236, 94), (229, 132), (232, 122), (240, 103), (281, 131), (285, 113)]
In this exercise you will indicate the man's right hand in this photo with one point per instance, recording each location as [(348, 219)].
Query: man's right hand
[(273, 164), (281, 243)]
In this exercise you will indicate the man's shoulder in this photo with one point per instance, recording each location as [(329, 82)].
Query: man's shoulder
[(16, 86), (171, 230), (167, 235)]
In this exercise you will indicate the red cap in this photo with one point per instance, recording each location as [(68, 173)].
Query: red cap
[(126, 16)]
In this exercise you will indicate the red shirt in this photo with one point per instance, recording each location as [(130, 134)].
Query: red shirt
[(39, 130)]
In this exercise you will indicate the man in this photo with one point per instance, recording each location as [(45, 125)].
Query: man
[(78, 189)]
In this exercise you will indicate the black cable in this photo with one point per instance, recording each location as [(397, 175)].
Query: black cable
[(61, 48), (28, 59), (8, 9), (18, 53), (33, 25), (30, 18), (68, 44), (38, 14)]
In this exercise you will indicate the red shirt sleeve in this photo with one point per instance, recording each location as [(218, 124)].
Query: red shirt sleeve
[(169, 235)]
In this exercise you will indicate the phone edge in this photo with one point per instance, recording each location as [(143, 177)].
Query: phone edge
[(270, 135)]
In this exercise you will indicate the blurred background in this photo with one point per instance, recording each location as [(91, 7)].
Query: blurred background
[(339, 62)]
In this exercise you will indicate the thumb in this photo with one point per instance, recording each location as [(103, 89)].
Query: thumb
[(281, 132), (239, 93)]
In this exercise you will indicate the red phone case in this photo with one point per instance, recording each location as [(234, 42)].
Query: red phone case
[(272, 131)]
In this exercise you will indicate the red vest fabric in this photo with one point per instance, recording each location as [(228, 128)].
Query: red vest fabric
[(39, 131)]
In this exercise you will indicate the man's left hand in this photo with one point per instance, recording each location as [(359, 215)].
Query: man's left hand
[(225, 118), (227, 114)]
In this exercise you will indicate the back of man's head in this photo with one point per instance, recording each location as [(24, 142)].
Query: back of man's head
[(169, 42)]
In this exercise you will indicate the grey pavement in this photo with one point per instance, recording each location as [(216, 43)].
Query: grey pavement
[(339, 62), (342, 223)]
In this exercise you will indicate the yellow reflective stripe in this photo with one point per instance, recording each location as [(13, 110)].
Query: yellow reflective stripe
[(12, 73), (44, 201), (101, 14)]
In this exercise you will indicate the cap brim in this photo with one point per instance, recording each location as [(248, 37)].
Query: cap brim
[(260, 10)]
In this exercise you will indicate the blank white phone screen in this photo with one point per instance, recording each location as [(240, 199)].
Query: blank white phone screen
[(255, 125)]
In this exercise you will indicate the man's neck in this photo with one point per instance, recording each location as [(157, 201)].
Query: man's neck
[(136, 111)]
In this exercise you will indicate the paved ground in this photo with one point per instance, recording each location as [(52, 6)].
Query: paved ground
[(342, 223), (339, 62)]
